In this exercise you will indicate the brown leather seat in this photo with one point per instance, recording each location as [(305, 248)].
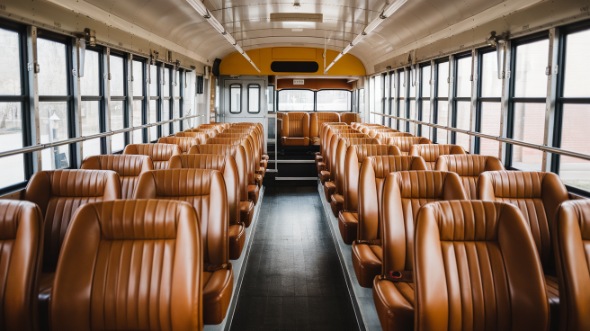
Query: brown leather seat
[(376, 130), (382, 136), (21, 242), (159, 153), (201, 136), (537, 195), (239, 154), (476, 268), (366, 250), (326, 148), (316, 120), (468, 167), (129, 167), (184, 143), (59, 194), (405, 143), (205, 190), (355, 155), (336, 196), (572, 258), (228, 168), (130, 265), (295, 130), (431, 152), (404, 193), (350, 118)]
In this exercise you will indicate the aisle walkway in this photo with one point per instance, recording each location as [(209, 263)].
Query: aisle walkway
[(293, 278)]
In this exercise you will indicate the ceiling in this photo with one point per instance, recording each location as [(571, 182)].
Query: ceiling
[(249, 23)]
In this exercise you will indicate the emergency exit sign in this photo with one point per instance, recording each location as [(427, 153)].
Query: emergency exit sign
[(298, 81)]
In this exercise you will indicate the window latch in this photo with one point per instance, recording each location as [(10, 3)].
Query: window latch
[(33, 67)]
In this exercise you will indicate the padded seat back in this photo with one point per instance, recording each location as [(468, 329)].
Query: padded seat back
[(204, 189), (374, 131), (20, 253), (130, 265), (405, 143), (431, 152), (296, 124), (350, 118), (59, 194), (316, 119), (129, 167), (329, 126), (201, 136), (404, 192), (159, 153), (184, 143), (572, 234), (340, 157), (537, 195), (355, 156), (225, 140), (373, 172), (476, 268), (224, 164), (468, 167), (382, 136)]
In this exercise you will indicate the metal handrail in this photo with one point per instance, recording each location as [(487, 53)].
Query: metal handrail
[(39, 147), (543, 148)]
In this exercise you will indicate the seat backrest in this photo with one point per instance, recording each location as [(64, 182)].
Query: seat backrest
[(238, 152), (200, 136), (225, 140), (405, 143), (224, 164), (205, 190), (431, 152), (374, 131), (373, 172), (476, 268), (340, 158), (468, 167), (349, 118), (159, 153), (20, 243), (536, 194), (184, 143), (324, 128), (295, 124), (59, 194), (404, 192), (130, 265), (382, 136), (128, 166), (572, 257), (315, 122), (355, 155)]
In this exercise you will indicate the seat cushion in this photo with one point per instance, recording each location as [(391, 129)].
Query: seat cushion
[(246, 212), (366, 260), (336, 203), (395, 304), (217, 290), (237, 238), (348, 224)]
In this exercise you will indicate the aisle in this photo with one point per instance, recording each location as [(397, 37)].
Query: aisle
[(293, 278)]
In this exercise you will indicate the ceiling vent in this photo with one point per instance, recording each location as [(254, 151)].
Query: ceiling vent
[(296, 17)]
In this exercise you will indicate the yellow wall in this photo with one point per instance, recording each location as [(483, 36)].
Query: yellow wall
[(235, 65)]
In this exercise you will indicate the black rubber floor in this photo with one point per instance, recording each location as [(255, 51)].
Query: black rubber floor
[(293, 279)]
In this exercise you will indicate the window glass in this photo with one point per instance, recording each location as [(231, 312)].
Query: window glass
[(334, 100), (137, 78), (443, 79), (270, 93), (463, 122), (531, 62), (575, 172), (426, 76), (90, 82), (90, 113), (296, 100), (117, 76), (52, 78), (491, 114), (443, 119), (117, 111), (152, 118), (176, 114), (53, 124), (379, 97), (464, 77), (165, 117), (577, 68), (137, 110), (176, 82), (165, 82), (10, 68), (413, 82), (529, 122), (526, 159), (11, 137), (253, 98), (491, 86), (153, 81), (235, 98)]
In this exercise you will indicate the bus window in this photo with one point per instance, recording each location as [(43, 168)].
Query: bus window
[(334, 100), (253, 98), (235, 98), (118, 94)]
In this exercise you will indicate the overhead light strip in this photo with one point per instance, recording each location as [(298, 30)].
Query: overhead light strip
[(387, 12), (200, 8)]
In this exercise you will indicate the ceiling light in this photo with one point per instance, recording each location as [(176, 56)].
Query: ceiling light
[(199, 7), (393, 7)]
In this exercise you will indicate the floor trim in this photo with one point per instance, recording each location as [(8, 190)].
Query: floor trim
[(362, 298)]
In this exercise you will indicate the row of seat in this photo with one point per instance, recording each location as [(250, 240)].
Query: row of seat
[(303, 128), (209, 180), (383, 230)]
